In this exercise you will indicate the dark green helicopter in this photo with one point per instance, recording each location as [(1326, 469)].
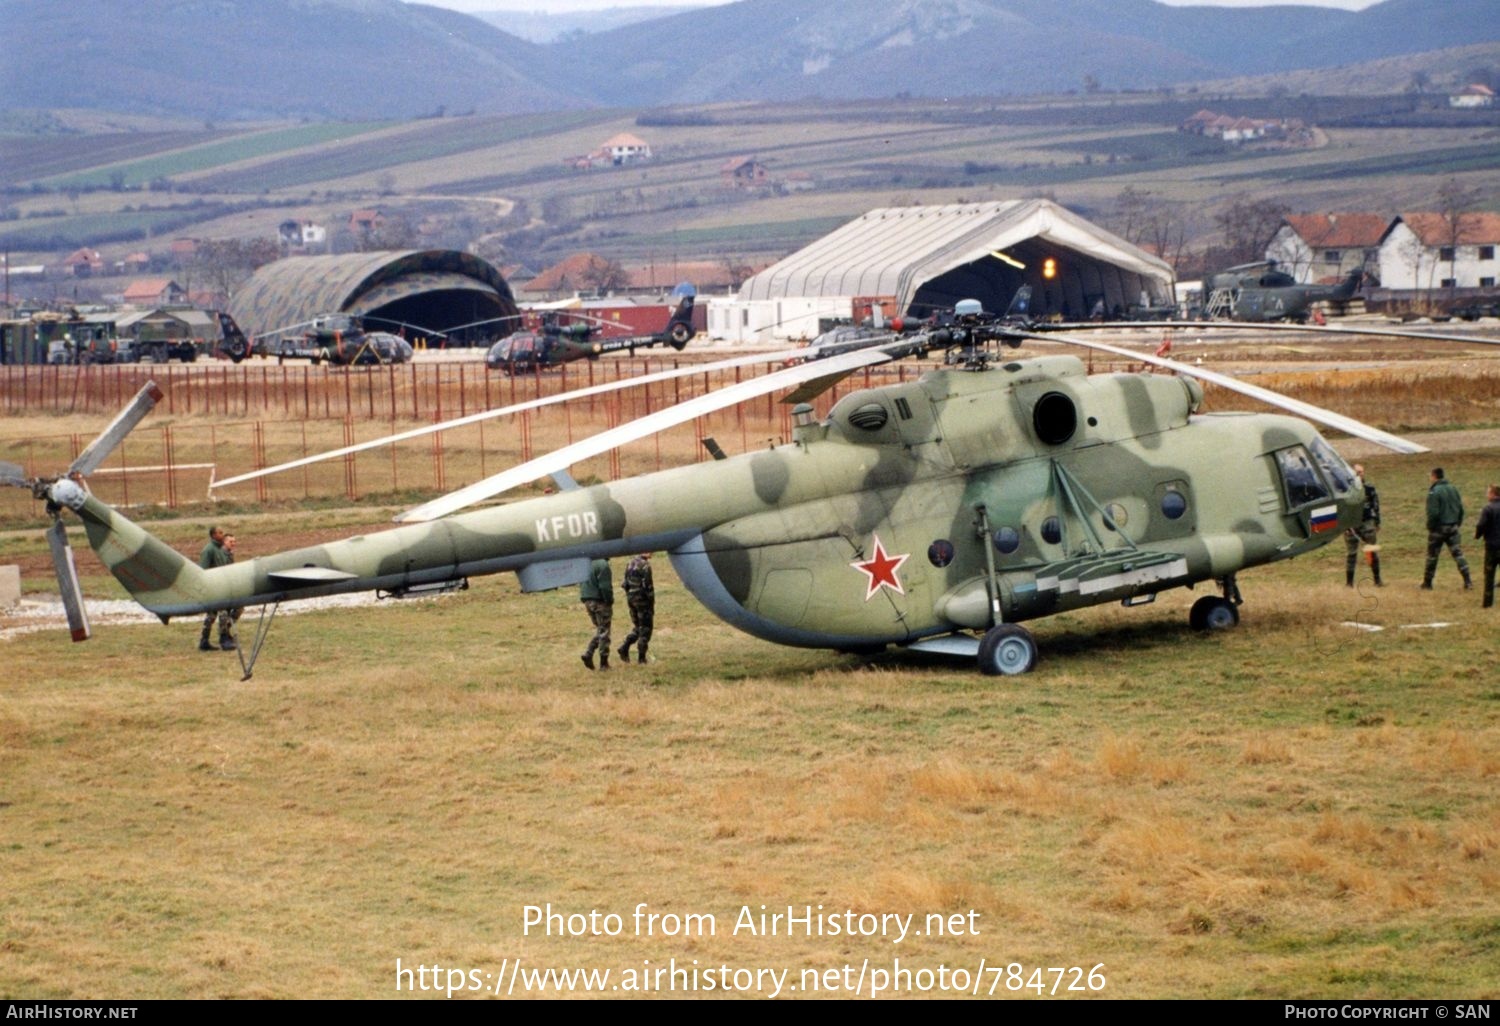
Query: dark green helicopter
[(1262, 292), (557, 342)]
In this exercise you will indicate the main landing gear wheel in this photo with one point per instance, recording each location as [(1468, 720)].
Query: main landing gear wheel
[(1212, 613), (1007, 649)]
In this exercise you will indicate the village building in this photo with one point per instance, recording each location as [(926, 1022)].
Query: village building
[(84, 262), (1424, 251), (1476, 95), (151, 292), (1326, 247)]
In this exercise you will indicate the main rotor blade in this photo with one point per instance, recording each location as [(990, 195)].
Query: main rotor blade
[(532, 404), (99, 449), (1348, 425), (641, 428), (67, 581), (1328, 329)]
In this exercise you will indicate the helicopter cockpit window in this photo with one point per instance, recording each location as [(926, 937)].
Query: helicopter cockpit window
[(1337, 471), (1300, 478)]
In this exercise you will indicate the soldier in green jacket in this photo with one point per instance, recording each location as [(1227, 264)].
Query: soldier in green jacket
[(1445, 512), (215, 554), (597, 592)]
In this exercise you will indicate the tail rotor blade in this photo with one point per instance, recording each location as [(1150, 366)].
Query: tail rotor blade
[(99, 449), (13, 475), (67, 581)]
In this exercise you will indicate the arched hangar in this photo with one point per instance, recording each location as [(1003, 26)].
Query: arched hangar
[(929, 258), (422, 291)]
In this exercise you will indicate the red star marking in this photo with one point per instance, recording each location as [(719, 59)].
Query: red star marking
[(880, 569)]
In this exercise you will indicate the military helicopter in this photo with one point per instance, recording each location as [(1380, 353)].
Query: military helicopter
[(557, 342), (341, 340), (938, 514), (1260, 292)]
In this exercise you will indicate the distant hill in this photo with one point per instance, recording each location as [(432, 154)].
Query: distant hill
[(231, 60), (542, 27)]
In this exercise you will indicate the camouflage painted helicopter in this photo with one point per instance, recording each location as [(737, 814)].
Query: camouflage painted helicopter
[(937, 514), (1261, 292), (561, 342), (340, 340)]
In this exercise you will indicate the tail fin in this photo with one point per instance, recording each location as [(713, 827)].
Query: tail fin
[(157, 576), (1349, 285)]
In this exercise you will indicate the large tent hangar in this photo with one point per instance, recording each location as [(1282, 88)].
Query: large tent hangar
[(421, 291), (931, 257)]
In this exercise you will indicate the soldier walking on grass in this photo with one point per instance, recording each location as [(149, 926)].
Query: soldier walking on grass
[(640, 596), (597, 592), (1488, 530), (1445, 512), (1367, 532), (215, 554)]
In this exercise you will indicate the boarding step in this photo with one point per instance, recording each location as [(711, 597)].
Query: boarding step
[(1114, 571)]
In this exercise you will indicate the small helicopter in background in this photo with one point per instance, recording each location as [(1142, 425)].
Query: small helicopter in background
[(341, 340), (560, 342), (1261, 292)]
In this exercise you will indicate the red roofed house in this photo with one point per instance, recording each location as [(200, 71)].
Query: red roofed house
[(1315, 247), (154, 292), (744, 173), (1476, 95), (83, 262), (1428, 250), (625, 148)]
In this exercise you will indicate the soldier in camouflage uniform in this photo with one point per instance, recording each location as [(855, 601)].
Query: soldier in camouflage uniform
[(597, 592), (1367, 532), (1445, 512), (640, 595), (214, 554)]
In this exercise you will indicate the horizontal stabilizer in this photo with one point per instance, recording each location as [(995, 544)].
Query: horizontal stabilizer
[(557, 573)]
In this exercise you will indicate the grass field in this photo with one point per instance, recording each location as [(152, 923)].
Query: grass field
[(1302, 807)]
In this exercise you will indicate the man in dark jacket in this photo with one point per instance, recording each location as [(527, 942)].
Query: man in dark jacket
[(214, 554), (1488, 530), (1445, 512), (1367, 532), (597, 593)]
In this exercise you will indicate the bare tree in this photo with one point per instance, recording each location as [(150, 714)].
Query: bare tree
[(602, 275), (1248, 227), (1456, 204)]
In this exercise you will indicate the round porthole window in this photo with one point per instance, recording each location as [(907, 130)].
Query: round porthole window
[(1174, 505), (1115, 516), (1007, 540), (1052, 530), (940, 552)]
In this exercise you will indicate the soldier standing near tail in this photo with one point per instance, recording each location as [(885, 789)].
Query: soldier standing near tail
[(597, 592), (1445, 512), (640, 595), (1367, 532), (1488, 529), (214, 554)]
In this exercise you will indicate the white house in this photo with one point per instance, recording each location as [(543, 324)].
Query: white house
[(1476, 95), (1314, 247), (1427, 250), (624, 148)]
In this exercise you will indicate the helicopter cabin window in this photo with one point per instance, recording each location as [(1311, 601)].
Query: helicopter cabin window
[(1300, 478), (1173, 504), (903, 408), (1052, 530), (1334, 467), (940, 552)]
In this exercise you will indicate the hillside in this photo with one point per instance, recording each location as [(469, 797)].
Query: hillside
[(236, 60)]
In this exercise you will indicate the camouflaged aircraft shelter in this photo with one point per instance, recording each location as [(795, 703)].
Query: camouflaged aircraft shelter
[(421, 291), (929, 258)]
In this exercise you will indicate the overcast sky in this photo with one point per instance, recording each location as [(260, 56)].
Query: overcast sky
[(555, 6)]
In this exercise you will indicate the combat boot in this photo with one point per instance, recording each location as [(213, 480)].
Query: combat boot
[(588, 659), (604, 659), (1375, 569), (203, 645), (1349, 578), (640, 656), (1468, 583), (228, 644), (623, 652)]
